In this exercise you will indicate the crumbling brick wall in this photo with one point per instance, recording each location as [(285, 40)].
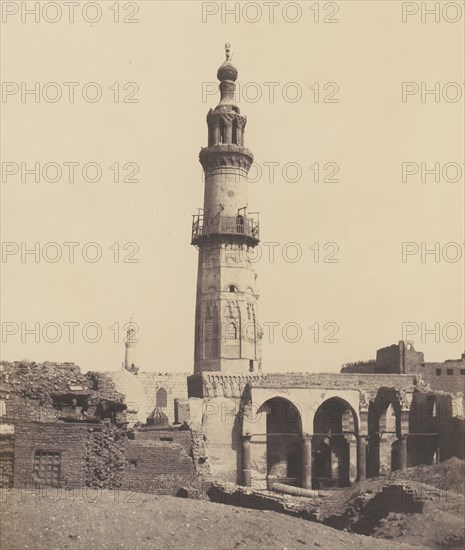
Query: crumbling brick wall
[(160, 467), (360, 367), (69, 440), (6, 460), (105, 461), (167, 434), (199, 451), (29, 390)]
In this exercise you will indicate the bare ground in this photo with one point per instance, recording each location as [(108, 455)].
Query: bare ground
[(116, 520)]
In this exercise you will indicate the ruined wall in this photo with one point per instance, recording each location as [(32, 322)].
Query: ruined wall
[(6, 460), (436, 428), (105, 460), (65, 464), (368, 383), (399, 358), (158, 461), (199, 451), (221, 423), (30, 391), (360, 367), (448, 376)]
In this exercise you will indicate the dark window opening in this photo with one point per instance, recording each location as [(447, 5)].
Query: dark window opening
[(161, 398), (438, 372), (234, 131), (462, 372), (222, 131), (251, 367), (240, 224), (166, 439), (232, 288), (231, 332), (450, 372), (293, 465)]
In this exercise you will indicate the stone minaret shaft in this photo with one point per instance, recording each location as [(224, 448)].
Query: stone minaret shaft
[(130, 344), (227, 336)]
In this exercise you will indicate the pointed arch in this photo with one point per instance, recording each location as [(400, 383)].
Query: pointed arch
[(231, 331), (161, 398)]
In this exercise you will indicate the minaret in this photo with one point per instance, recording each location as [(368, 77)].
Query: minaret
[(227, 336), (130, 343)]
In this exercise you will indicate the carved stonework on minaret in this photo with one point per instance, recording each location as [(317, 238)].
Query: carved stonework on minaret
[(223, 156), (227, 336)]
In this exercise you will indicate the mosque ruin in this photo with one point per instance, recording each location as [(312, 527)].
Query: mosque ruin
[(229, 420)]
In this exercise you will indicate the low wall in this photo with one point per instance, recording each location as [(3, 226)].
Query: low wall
[(65, 463), (156, 466)]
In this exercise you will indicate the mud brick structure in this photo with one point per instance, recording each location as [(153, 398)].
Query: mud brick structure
[(50, 454), (62, 428), (159, 461)]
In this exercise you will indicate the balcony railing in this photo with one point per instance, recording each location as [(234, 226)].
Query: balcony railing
[(246, 226)]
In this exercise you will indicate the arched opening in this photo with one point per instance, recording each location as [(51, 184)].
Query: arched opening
[(234, 131), (334, 444), (384, 431), (231, 332), (222, 131), (423, 421), (322, 458), (283, 441), (240, 224), (210, 135), (161, 398), (210, 332), (293, 460), (232, 288)]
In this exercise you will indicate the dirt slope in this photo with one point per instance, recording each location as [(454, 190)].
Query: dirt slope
[(438, 490), (143, 522)]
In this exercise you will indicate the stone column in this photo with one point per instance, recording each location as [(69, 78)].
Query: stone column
[(361, 457), (352, 458), (216, 132), (228, 131), (246, 477), (239, 135), (403, 452), (307, 461)]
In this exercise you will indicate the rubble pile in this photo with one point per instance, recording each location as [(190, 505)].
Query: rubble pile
[(422, 506), (30, 389), (245, 497), (104, 387), (105, 460), (39, 381)]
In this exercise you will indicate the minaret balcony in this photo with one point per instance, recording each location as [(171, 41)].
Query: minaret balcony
[(228, 228)]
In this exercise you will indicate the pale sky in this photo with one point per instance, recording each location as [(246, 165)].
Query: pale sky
[(172, 55)]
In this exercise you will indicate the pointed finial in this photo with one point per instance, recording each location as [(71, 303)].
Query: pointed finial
[(227, 71)]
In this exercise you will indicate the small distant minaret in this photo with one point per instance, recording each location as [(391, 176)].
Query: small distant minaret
[(227, 334), (130, 343)]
